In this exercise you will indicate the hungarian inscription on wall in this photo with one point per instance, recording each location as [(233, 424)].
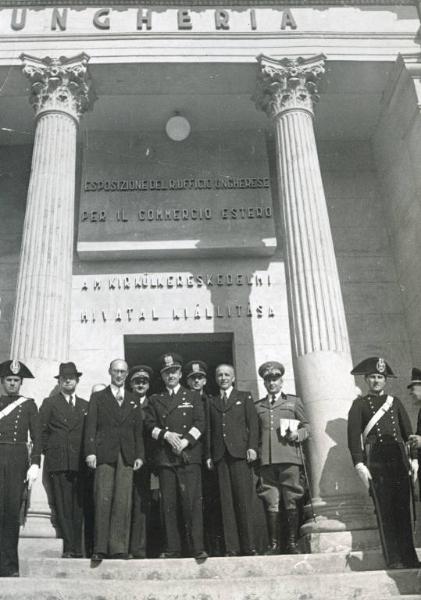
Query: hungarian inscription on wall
[(149, 196)]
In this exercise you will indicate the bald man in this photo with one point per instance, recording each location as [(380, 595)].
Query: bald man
[(114, 448)]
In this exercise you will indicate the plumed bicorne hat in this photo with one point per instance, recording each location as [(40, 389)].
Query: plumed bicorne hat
[(374, 364), (16, 368), (415, 377)]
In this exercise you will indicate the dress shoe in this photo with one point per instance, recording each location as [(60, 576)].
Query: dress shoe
[(231, 553), (250, 552), (77, 555), (136, 556), (97, 557), (272, 549), (67, 555), (170, 555), (201, 555), (120, 556)]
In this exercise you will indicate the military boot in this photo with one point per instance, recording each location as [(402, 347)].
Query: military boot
[(273, 547), (292, 521)]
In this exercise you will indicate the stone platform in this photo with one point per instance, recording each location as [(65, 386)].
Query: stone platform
[(342, 576)]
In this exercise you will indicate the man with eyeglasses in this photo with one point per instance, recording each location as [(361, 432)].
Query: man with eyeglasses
[(114, 448), (283, 427), (139, 379), (176, 421)]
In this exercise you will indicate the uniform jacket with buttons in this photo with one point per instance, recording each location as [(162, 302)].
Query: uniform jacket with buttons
[(111, 429), (62, 432), (182, 413), (272, 447), (232, 428), (15, 426), (393, 427)]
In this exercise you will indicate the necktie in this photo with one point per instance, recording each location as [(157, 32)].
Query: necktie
[(119, 397), (224, 399), (273, 398), (71, 402)]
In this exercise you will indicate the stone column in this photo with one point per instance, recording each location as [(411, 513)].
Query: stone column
[(59, 93), (286, 91)]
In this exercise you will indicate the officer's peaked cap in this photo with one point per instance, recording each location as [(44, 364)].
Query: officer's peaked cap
[(415, 377), (272, 367), (167, 361), (14, 367), (140, 371), (196, 367), (374, 364)]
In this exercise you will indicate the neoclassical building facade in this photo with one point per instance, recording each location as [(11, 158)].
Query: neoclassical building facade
[(239, 183)]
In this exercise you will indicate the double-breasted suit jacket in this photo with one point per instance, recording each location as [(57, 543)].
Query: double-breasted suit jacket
[(184, 414), (274, 448), (111, 429), (62, 433), (233, 427)]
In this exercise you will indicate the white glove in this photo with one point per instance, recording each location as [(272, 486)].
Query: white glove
[(251, 455), (32, 475), (364, 474), (414, 468)]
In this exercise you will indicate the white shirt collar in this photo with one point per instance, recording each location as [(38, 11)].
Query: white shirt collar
[(69, 398), (174, 390), (226, 392), (117, 390)]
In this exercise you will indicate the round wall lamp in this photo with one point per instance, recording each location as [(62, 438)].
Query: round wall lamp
[(178, 128)]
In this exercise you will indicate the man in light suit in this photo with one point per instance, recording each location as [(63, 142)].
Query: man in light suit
[(280, 455), (114, 447), (62, 422), (233, 430)]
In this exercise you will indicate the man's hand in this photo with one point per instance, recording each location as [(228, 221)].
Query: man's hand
[(91, 461), (174, 440), (209, 464), (251, 455), (183, 444), (137, 464), (364, 474), (415, 440), (414, 468), (32, 475), (292, 436)]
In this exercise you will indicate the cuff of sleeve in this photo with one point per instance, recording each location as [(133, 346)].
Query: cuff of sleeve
[(195, 433), (302, 434), (156, 432)]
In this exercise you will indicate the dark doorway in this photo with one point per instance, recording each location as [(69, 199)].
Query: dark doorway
[(213, 348)]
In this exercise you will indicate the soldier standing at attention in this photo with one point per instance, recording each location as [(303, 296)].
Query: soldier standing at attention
[(176, 420), (280, 455), (62, 421), (233, 430), (381, 460), (18, 416)]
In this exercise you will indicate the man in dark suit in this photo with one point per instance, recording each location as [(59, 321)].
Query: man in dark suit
[(114, 447), (175, 419), (414, 388), (18, 417), (283, 427), (233, 430), (139, 381), (62, 423)]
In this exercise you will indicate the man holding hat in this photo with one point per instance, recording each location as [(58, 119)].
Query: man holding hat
[(138, 379), (62, 422), (175, 419), (283, 427), (381, 461), (18, 417)]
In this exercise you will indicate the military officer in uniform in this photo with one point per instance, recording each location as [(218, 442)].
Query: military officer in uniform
[(62, 422), (18, 416), (283, 427), (114, 448), (378, 428), (176, 420), (139, 382), (233, 430)]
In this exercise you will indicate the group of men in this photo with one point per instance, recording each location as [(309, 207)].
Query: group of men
[(180, 440)]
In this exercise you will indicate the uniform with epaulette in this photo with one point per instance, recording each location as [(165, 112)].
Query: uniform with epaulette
[(281, 457), (18, 416), (233, 430), (178, 411), (378, 429)]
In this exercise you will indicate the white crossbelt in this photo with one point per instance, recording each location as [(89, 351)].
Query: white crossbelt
[(8, 409), (377, 416)]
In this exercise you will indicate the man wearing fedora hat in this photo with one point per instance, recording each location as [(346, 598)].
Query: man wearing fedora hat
[(18, 418), (62, 421), (381, 422)]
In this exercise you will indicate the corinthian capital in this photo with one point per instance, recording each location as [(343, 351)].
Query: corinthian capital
[(59, 84), (288, 83)]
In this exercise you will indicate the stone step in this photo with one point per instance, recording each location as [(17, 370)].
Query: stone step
[(212, 568), (369, 585)]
